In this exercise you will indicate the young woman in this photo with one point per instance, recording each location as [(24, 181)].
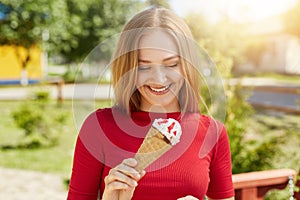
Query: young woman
[(155, 75)]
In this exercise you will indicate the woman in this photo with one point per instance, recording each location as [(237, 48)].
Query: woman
[(155, 75)]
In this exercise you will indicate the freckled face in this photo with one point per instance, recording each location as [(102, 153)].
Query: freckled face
[(159, 73)]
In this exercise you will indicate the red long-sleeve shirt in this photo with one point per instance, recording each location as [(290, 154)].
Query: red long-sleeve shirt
[(198, 165)]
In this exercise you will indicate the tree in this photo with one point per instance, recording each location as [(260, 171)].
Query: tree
[(91, 22), (71, 28), (157, 3), (24, 22)]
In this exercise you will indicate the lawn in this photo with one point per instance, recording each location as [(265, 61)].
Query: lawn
[(56, 159), (287, 127)]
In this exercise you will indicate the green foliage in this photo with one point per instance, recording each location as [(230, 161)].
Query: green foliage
[(248, 153), (158, 3), (42, 96), (237, 113), (40, 124), (27, 118), (55, 159), (222, 41), (93, 21), (23, 24), (71, 28), (71, 75)]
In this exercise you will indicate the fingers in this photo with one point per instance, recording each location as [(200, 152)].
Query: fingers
[(127, 167), (133, 163), (130, 162), (143, 173), (123, 176)]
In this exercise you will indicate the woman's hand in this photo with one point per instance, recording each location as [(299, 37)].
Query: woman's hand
[(188, 198), (121, 181)]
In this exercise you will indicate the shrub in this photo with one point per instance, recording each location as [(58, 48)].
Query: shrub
[(40, 122), (248, 154)]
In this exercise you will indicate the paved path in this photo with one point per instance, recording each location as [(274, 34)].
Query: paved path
[(268, 93), (273, 94), (69, 91), (30, 185)]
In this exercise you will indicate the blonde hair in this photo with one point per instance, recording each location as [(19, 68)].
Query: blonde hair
[(125, 59)]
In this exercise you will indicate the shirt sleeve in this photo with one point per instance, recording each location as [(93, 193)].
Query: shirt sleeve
[(87, 169), (220, 185)]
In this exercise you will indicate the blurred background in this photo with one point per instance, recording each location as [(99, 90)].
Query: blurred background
[(44, 46)]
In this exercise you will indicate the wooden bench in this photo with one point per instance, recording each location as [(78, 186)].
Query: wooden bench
[(255, 185)]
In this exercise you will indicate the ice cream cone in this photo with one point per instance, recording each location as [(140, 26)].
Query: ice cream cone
[(159, 139)]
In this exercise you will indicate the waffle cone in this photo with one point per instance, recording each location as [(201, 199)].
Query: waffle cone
[(154, 145)]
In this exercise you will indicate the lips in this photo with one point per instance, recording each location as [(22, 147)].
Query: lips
[(159, 90)]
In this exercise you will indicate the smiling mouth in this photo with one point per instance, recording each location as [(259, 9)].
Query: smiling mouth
[(161, 90)]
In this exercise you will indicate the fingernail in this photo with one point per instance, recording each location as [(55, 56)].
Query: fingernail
[(134, 161), (138, 175)]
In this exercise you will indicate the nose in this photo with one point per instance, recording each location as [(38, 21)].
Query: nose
[(159, 75)]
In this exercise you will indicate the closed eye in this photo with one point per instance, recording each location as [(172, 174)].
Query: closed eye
[(143, 67), (172, 65)]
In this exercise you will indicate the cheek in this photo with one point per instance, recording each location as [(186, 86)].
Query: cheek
[(141, 80), (177, 76), (179, 80), (181, 77)]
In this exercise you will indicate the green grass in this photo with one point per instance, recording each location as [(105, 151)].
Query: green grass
[(287, 127), (56, 159)]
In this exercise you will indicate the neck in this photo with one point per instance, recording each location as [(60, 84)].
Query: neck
[(160, 109)]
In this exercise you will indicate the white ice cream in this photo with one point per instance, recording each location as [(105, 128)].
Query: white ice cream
[(169, 128)]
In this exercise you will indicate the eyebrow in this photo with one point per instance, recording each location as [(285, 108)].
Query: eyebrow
[(165, 59)]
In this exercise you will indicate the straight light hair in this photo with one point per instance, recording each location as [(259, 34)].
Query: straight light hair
[(125, 59)]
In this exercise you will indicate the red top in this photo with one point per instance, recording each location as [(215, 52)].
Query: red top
[(198, 165)]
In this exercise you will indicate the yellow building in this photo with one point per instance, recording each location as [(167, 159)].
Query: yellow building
[(11, 67)]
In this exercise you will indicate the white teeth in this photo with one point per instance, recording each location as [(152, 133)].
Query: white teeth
[(160, 89)]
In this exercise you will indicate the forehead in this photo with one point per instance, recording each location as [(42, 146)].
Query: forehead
[(159, 40)]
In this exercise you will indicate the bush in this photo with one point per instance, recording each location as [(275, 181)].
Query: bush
[(41, 124), (72, 74), (248, 154)]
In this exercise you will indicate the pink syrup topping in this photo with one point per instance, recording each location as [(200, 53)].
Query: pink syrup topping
[(169, 128)]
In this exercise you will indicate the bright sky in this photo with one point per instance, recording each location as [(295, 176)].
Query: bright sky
[(239, 10)]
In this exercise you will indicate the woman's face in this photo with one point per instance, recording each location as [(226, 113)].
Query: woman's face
[(159, 73)]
